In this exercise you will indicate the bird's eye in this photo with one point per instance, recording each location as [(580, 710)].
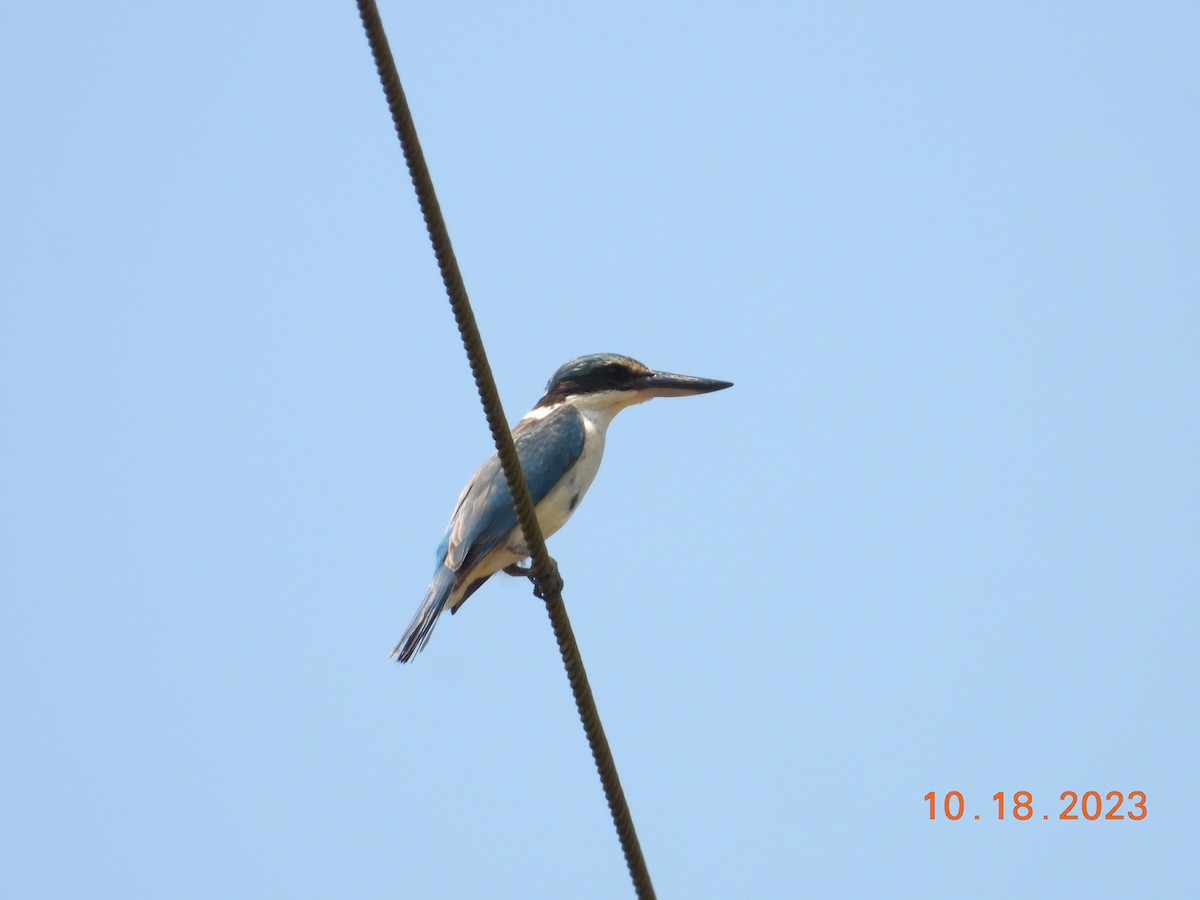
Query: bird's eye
[(615, 374)]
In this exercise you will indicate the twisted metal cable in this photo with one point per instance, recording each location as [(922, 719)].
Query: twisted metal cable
[(545, 572)]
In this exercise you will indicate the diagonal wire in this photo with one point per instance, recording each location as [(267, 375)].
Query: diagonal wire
[(545, 574)]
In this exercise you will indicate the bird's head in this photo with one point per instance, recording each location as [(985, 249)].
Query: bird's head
[(612, 381)]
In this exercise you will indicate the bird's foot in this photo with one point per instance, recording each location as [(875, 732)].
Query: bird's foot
[(551, 584)]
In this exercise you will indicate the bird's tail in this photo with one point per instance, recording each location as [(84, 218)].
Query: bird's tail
[(417, 635)]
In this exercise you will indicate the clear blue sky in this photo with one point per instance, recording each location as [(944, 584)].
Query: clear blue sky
[(943, 534)]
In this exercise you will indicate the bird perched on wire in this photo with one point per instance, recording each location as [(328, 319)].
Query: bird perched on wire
[(559, 443)]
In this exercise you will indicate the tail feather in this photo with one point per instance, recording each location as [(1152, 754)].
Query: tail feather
[(417, 635)]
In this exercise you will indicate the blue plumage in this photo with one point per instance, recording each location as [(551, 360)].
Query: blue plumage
[(547, 448), (559, 443)]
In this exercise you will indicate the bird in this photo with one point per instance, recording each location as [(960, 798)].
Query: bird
[(560, 443)]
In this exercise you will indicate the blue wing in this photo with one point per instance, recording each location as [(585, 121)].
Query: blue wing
[(547, 448)]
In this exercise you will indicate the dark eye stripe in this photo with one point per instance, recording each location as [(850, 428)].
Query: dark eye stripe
[(614, 375)]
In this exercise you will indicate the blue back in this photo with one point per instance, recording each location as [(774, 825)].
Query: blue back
[(547, 448)]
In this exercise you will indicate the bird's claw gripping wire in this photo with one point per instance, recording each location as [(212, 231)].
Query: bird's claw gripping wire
[(552, 584)]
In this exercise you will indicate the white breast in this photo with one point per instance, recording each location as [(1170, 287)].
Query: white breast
[(564, 498)]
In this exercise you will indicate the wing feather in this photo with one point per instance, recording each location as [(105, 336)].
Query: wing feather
[(547, 448)]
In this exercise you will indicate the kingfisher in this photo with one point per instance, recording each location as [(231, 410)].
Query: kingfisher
[(559, 443)]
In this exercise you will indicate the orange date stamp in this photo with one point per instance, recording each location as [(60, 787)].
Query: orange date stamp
[(1115, 806)]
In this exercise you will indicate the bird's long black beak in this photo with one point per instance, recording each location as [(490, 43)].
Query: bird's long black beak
[(665, 384)]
